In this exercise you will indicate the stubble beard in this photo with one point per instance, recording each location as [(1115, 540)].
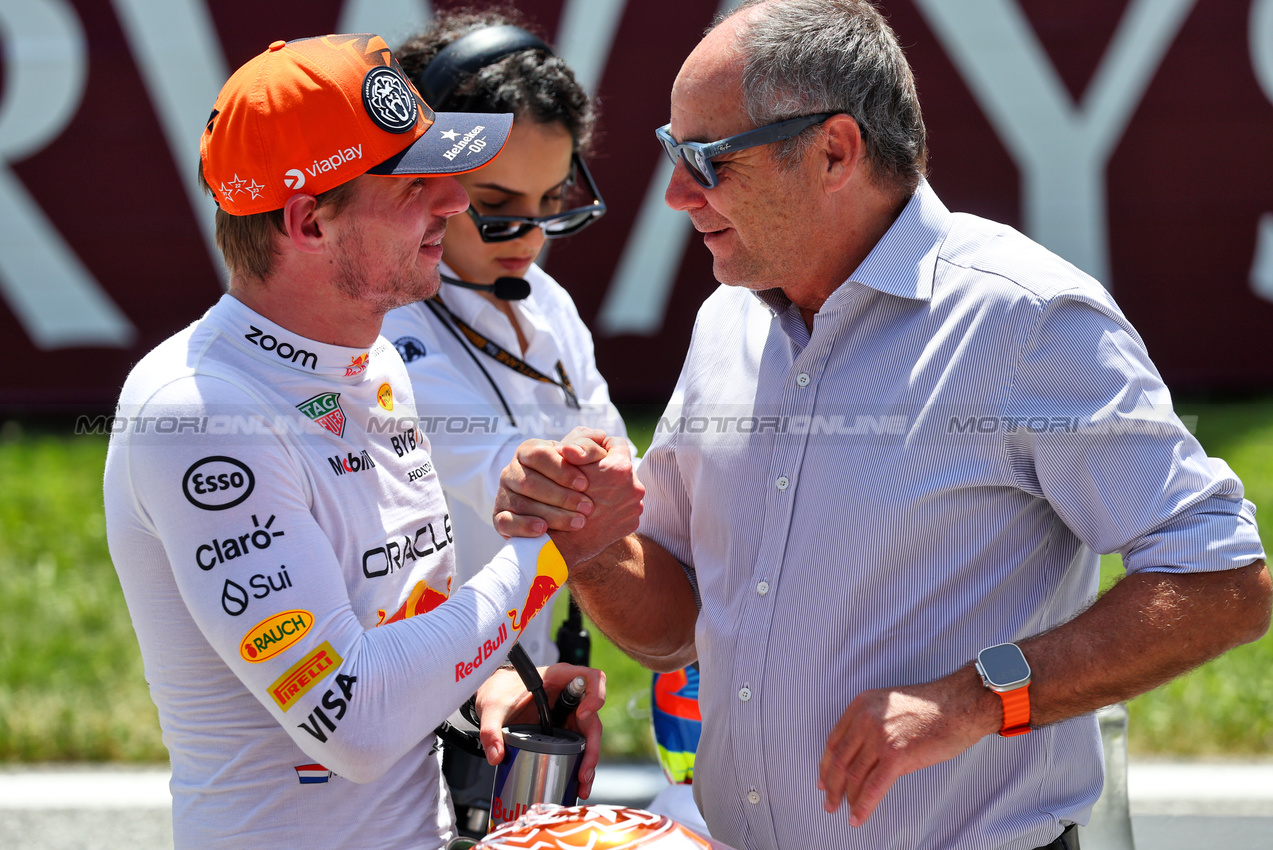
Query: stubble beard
[(393, 290)]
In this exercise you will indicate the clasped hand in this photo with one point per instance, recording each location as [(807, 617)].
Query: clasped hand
[(583, 491)]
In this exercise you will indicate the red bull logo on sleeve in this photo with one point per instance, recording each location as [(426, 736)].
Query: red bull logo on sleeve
[(421, 600), (550, 575), (463, 669)]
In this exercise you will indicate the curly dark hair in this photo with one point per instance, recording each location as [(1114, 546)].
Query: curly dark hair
[(530, 83)]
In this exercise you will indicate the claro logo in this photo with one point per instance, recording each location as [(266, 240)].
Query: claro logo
[(274, 634), (217, 483)]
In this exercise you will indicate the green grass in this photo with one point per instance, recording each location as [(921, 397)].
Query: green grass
[(71, 683), (1224, 707)]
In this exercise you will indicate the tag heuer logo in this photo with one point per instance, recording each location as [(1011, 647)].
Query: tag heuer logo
[(324, 409)]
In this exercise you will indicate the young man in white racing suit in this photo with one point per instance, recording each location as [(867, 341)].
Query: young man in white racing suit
[(272, 510)]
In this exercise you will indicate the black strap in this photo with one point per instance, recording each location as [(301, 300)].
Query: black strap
[(463, 741), (469, 53), (1067, 840), (508, 359), (434, 307)]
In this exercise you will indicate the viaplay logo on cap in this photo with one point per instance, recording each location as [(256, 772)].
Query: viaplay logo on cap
[(388, 100)]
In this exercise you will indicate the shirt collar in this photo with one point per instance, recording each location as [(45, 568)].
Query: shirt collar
[(902, 263), (271, 343)]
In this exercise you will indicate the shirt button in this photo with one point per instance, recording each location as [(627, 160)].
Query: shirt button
[(744, 694), (783, 482), (753, 796), (803, 379), (762, 588)]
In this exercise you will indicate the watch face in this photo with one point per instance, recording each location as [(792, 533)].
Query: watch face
[(1004, 666)]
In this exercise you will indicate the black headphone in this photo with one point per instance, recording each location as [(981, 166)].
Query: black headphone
[(463, 57)]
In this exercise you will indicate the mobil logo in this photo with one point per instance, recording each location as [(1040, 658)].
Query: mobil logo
[(274, 634), (217, 483), (550, 575)]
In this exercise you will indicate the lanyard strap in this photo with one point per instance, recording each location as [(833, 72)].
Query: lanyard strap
[(434, 308), (510, 360)]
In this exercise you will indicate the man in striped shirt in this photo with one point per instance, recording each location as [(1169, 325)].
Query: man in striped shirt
[(900, 438)]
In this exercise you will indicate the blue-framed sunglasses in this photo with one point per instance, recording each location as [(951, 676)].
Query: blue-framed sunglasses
[(505, 228), (697, 156)]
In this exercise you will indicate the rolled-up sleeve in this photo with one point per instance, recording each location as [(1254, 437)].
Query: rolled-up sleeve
[(1097, 437)]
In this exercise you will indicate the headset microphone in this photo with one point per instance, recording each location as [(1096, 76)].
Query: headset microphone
[(504, 288)]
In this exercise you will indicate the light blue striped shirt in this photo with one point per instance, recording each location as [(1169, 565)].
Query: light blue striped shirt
[(928, 473)]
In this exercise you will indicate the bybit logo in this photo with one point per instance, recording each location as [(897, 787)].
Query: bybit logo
[(294, 178)]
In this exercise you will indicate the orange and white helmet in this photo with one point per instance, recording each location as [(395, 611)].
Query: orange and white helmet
[(594, 827)]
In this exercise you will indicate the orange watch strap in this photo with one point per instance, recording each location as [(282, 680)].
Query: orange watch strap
[(1016, 711)]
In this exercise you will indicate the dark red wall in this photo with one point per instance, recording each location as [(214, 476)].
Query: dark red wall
[(1185, 186)]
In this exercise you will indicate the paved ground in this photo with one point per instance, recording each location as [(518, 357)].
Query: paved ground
[(1173, 806)]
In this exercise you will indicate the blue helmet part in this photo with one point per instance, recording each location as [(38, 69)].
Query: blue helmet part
[(677, 722)]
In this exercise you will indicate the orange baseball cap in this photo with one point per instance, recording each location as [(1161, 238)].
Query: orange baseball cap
[(308, 115)]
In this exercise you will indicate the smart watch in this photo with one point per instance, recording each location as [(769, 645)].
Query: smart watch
[(1004, 670)]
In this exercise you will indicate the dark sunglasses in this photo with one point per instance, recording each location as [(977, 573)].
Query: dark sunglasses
[(505, 228), (697, 156)]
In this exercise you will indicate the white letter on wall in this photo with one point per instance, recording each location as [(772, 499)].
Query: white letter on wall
[(585, 36), (637, 298), (53, 295), (1261, 36), (393, 20), (1061, 149), (175, 46)]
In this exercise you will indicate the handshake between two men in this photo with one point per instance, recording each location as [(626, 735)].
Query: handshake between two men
[(583, 492)]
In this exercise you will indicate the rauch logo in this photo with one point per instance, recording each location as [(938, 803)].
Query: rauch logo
[(274, 634)]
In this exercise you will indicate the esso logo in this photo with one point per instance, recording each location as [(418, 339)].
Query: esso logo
[(217, 483), (294, 178)]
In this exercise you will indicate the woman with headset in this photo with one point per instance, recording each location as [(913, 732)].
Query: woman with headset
[(501, 355)]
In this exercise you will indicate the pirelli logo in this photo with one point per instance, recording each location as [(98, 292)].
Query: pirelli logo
[(303, 675)]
